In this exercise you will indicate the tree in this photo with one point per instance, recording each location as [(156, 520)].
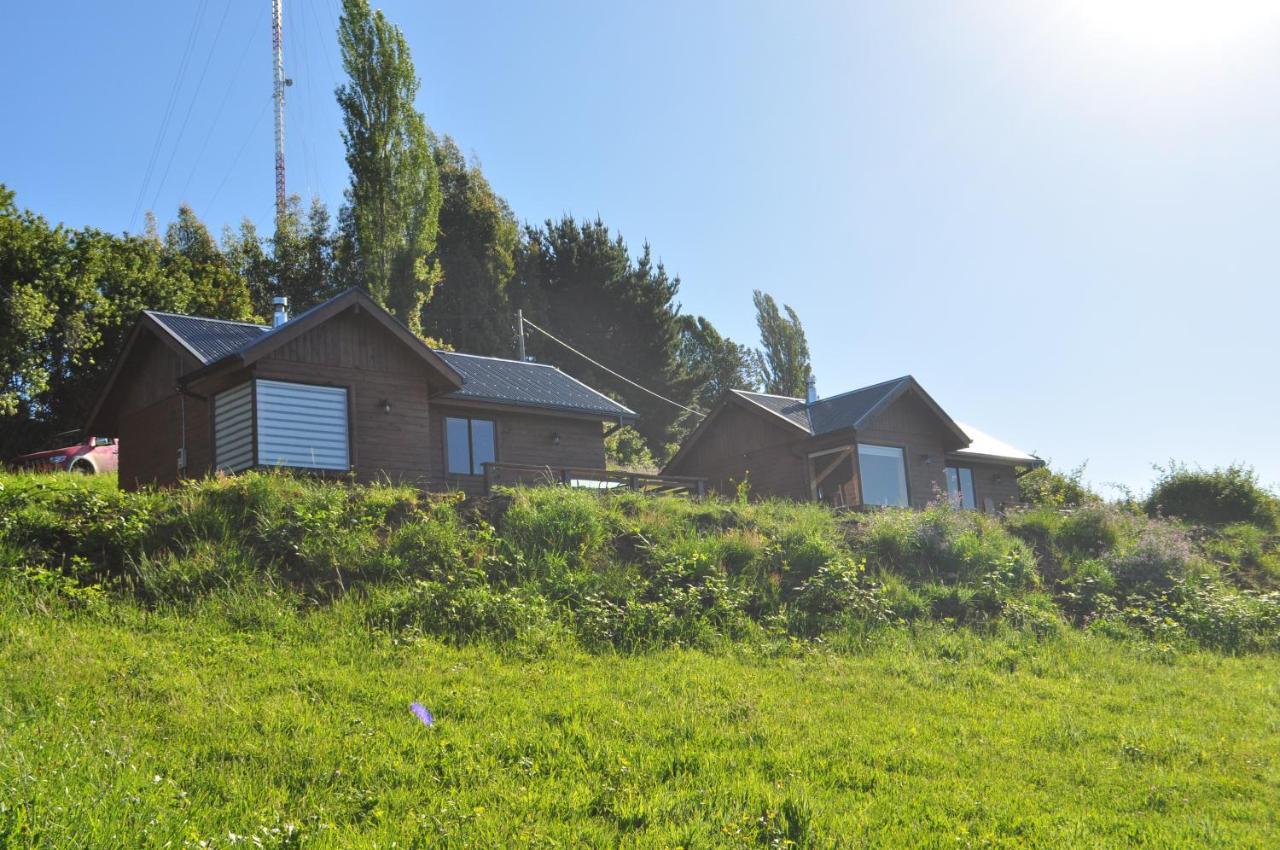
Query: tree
[(394, 197), (580, 283), (213, 286), (70, 298), (715, 363), (300, 264), (471, 309), (783, 360)]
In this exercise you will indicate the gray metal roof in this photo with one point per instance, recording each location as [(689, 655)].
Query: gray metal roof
[(488, 379), (847, 410), (527, 384), (209, 340), (791, 409), (826, 414)]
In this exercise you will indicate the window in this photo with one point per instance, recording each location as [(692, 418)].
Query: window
[(469, 444), (302, 425), (960, 486), (884, 475)]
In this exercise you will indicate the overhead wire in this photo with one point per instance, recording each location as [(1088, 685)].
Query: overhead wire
[(191, 106), (620, 377), (248, 138), (168, 111), (226, 96)]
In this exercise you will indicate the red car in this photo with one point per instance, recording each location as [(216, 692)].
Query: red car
[(91, 456)]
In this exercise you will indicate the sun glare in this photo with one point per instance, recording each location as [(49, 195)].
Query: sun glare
[(1177, 28)]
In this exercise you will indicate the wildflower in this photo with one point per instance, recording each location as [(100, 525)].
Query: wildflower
[(422, 713)]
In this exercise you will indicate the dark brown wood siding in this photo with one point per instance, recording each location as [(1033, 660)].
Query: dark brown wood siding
[(523, 438), (149, 443), (910, 424), (991, 481), (741, 444), (150, 413), (353, 351)]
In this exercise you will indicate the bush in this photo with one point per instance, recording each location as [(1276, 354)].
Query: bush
[(838, 595), (1160, 557), (1249, 554), (942, 544), (1042, 487), (1214, 497)]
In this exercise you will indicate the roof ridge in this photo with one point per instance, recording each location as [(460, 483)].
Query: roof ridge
[(241, 323), (864, 389), (769, 395), (499, 359)]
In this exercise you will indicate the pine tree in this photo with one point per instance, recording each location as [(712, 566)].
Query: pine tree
[(471, 309), (580, 283)]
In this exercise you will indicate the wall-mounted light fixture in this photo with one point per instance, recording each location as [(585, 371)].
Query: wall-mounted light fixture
[(555, 438), (927, 458), (386, 405)]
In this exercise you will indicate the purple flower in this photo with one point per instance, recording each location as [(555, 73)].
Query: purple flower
[(422, 713)]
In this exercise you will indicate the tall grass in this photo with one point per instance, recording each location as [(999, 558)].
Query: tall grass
[(638, 572)]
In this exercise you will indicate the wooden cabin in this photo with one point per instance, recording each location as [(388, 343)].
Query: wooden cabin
[(342, 389), (889, 444)]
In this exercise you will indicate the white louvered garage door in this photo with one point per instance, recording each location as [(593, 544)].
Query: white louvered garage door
[(302, 425), (233, 428)]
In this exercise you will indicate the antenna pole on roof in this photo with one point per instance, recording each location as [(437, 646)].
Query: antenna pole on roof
[(520, 335)]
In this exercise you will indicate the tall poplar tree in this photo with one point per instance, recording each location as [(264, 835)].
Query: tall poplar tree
[(394, 198), (783, 359)]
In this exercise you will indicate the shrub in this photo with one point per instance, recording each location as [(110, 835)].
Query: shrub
[(1161, 555), (1249, 554), (1043, 487), (836, 596), (941, 544), (1093, 530), (1213, 497)]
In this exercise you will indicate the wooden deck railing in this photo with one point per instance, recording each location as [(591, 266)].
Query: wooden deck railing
[(512, 474)]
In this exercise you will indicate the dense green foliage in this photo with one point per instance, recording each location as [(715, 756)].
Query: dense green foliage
[(635, 572), (394, 198), (580, 282), (715, 363), (230, 664), (783, 359), (471, 309), (68, 299), (1213, 497), (1046, 487)]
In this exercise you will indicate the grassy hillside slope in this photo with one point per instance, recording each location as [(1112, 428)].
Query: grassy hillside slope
[(123, 728), (231, 665)]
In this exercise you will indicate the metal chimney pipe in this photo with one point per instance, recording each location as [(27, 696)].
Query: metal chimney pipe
[(812, 390), (282, 311)]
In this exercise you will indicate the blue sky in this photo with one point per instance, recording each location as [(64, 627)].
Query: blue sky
[(1061, 217)]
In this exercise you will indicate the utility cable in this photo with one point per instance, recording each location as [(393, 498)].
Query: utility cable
[(226, 95), (195, 95), (168, 112), (623, 378), (248, 138)]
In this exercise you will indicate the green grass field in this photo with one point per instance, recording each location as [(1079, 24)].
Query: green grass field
[(246, 724), (231, 664)]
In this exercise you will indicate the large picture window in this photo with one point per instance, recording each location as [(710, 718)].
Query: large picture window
[(960, 486), (469, 444), (884, 475)]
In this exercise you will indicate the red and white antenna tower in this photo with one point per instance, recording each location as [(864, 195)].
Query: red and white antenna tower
[(277, 46)]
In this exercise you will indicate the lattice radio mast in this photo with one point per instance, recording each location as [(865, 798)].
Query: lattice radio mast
[(277, 46)]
